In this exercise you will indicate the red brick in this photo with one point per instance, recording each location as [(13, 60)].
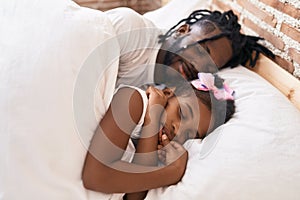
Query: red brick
[(108, 1), (294, 54), (287, 65), (93, 5), (290, 31), (263, 15), (110, 5), (276, 41), (273, 3), (140, 6), (143, 6), (225, 7), (222, 5), (283, 7), (292, 11), (85, 1)]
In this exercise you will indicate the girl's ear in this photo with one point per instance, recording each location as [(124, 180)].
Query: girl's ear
[(169, 92)]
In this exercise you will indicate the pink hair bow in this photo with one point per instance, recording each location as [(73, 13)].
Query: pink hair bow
[(206, 82)]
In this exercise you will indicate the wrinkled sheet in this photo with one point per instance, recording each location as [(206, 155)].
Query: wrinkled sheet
[(58, 69)]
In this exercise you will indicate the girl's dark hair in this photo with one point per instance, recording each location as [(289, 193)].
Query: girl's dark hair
[(221, 110), (243, 45)]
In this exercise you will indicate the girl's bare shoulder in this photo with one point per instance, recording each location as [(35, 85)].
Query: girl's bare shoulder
[(128, 100)]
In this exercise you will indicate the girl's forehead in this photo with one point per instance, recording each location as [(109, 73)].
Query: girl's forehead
[(188, 100)]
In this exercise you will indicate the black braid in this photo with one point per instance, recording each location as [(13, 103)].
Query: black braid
[(243, 45), (191, 19)]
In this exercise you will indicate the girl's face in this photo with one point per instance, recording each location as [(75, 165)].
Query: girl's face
[(184, 118)]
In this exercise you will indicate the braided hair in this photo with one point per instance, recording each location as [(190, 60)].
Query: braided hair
[(242, 45)]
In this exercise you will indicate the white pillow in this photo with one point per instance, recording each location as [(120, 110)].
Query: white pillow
[(44, 47), (253, 156), (256, 154), (170, 14)]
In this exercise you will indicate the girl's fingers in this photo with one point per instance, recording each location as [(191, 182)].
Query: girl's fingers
[(177, 146), (159, 147), (152, 89), (160, 92), (161, 152), (149, 90), (167, 144), (162, 158), (165, 140)]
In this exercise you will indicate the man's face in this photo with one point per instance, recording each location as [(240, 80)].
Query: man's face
[(208, 56)]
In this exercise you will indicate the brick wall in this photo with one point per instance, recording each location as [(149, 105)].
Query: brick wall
[(140, 6), (278, 21)]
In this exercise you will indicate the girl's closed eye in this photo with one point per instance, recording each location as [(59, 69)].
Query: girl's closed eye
[(184, 113), (180, 113)]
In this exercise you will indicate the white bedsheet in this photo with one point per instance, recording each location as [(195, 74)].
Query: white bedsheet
[(44, 46), (255, 155)]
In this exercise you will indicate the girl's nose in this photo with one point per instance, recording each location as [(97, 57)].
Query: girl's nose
[(175, 126)]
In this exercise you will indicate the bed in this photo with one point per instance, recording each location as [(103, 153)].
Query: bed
[(254, 156)]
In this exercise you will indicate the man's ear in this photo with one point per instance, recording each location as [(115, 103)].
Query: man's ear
[(185, 28), (169, 92)]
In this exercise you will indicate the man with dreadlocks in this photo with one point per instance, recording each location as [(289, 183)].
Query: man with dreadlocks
[(205, 41)]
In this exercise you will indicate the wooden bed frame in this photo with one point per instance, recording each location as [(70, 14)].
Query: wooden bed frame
[(278, 77)]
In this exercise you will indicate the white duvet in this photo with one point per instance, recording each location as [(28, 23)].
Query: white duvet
[(49, 81), (44, 46)]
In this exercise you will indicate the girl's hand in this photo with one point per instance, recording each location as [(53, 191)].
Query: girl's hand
[(157, 100), (172, 153), (156, 96)]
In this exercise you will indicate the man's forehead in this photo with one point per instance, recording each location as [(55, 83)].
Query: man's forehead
[(205, 26)]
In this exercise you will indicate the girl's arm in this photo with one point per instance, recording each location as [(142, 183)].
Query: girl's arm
[(146, 152), (103, 169)]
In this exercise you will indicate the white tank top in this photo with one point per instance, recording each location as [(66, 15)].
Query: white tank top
[(130, 150), (137, 130)]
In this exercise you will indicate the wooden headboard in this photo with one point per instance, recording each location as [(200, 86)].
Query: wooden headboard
[(278, 77)]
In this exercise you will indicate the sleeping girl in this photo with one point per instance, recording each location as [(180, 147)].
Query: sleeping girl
[(157, 118)]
